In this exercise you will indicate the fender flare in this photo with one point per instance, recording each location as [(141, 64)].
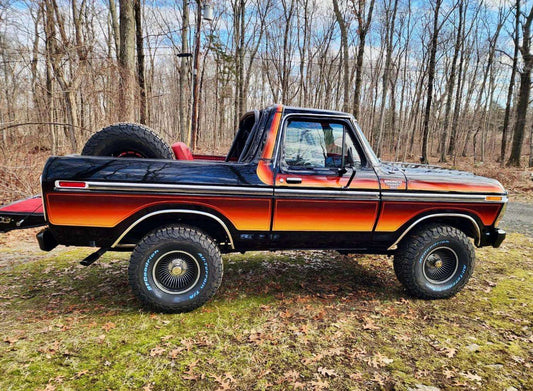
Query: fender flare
[(176, 211), (475, 224)]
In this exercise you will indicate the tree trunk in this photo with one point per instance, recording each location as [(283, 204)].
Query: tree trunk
[(344, 47), (521, 113), (510, 91), (431, 79), (364, 24), (114, 26), (389, 36), (127, 62), (140, 60), (184, 73), (524, 92), (195, 82), (451, 85), (531, 146)]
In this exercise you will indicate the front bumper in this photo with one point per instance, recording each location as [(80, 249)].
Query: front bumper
[(492, 237)]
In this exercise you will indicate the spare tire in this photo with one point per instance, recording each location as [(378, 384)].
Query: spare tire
[(127, 140)]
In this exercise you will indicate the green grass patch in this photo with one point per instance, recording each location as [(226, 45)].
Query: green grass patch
[(288, 320)]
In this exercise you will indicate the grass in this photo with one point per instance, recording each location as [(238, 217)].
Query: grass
[(289, 320)]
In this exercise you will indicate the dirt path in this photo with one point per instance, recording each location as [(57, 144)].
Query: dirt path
[(518, 218)]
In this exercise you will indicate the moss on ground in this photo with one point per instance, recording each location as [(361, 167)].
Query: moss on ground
[(289, 320)]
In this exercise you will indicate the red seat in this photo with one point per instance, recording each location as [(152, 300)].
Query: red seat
[(182, 151)]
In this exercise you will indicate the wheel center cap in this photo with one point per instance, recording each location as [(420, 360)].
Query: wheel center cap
[(177, 267), (438, 264)]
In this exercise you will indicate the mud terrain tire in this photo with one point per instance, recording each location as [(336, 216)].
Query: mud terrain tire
[(175, 269), (127, 140), (434, 262)]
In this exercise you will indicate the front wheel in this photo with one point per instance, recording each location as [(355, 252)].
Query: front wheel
[(175, 269), (435, 262)]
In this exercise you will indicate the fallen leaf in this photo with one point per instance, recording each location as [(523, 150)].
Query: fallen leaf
[(174, 353), (10, 340), (320, 384), (334, 351), (327, 372), (449, 374), (369, 324), (108, 326), (472, 376), (81, 373), (450, 352), (157, 351), (291, 375), (356, 376), (379, 379), (307, 361)]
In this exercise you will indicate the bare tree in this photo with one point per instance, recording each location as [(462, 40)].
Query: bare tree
[(140, 61), (343, 26), (510, 90), (431, 79), (364, 19), (127, 61), (390, 16), (451, 82), (524, 90)]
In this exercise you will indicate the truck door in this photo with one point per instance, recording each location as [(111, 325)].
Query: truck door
[(326, 192)]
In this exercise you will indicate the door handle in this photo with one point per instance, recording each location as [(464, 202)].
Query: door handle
[(294, 180)]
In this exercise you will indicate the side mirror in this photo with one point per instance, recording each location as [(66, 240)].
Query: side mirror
[(341, 171)]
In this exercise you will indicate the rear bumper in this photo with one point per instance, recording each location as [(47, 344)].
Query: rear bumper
[(493, 237)]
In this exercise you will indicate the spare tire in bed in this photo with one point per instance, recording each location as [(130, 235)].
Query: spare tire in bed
[(127, 140)]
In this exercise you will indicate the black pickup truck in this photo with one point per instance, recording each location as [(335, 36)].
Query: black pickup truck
[(293, 179)]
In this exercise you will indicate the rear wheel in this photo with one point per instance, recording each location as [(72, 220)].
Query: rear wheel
[(435, 262), (175, 269), (127, 140)]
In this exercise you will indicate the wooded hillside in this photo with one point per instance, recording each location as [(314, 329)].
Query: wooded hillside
[(437, 79)]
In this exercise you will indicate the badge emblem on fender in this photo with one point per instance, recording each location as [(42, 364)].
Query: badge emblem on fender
[(392, 183)]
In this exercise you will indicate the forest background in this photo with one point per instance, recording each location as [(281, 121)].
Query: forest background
[(433, 81)]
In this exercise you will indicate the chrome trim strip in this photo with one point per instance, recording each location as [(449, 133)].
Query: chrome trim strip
[(165, 211), (171, 188), (282, 192), (281, 129), (441, 197), (478, 230)]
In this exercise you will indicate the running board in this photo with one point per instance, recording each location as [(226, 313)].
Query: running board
[(89, 260)]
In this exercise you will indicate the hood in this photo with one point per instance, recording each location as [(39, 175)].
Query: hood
[(421, 177)]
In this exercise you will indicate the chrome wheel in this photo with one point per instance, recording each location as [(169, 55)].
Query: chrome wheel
[(176, 272), (440, 265)]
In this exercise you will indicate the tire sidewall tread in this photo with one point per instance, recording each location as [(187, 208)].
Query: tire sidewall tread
[(134, 136), (177, 237), (409, 261)]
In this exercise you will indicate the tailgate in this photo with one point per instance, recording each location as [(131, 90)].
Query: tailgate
[(22, 214)]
